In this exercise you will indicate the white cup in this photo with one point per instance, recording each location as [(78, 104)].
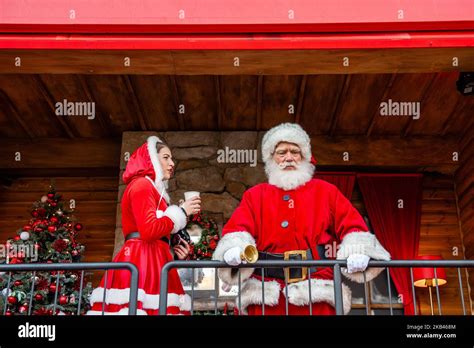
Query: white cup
[(190, 194)]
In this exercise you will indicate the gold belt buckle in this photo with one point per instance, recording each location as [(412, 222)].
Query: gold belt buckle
[(304, 271)]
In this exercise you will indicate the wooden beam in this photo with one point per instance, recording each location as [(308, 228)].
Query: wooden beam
[(16, 114), (299, 105), (259, 101), (253, 62), (60, 153), (384, 152), (384, 97), (50, 100), (390, 151), (339, 103), (136, 103)]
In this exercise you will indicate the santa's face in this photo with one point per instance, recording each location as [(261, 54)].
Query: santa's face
[(288, 169), (287, 156), (166, 162)]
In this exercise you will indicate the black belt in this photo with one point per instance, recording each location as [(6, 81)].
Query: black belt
[(136, 235), (290, 274)]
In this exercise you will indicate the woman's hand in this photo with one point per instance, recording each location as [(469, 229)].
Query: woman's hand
[(192, 206), (182, 249)]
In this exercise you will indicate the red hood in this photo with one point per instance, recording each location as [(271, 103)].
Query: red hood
[(139, 164), (144, 162)]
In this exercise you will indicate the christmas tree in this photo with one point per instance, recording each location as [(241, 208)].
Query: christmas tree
[(49, 237)]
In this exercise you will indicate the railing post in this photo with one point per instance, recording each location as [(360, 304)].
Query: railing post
[(164, 289), (132, 307), (338, 290)]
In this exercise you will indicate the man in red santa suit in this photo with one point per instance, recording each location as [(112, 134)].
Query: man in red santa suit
[(289, 217)]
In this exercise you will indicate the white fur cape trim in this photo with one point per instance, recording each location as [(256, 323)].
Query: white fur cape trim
[(362, 243), (122, 296), (230, 240), (178, 217)]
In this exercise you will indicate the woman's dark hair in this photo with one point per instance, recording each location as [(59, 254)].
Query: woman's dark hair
[(160, 146)]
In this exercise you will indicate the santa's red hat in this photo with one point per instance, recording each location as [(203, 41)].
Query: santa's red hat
[(287, 132)]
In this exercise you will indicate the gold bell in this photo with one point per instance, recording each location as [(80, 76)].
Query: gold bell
[(250, 254)]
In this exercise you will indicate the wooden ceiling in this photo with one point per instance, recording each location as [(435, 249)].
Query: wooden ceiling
[(334, 105)]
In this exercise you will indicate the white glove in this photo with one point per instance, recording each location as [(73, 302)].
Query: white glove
[(232, 256), (357, 263)]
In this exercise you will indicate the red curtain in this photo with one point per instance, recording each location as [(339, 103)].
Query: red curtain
[(343, 181), (393, 203)]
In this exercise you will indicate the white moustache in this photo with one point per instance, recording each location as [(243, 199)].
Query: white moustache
[(284, 165)]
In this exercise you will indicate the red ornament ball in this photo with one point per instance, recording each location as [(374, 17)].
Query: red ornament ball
[(54, 220), (78, 227), (39, 297), (52, 288), (16, 238), (12, 299), (8, 313), (23, 309), (50, 195), (53, 204), (52, 229), (18, 283), (34, 213), (63, 300)]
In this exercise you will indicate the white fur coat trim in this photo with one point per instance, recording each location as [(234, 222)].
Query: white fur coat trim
[(123, 311), (362, 243), (155, 161), (178, 217), (322, 290), (230, 240), (252, 294), (122, 296), (298, 293)]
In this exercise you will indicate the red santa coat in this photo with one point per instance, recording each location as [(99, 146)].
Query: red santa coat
[(144, 210), (277, 220)]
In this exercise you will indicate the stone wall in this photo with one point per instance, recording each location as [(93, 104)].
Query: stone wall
[(208, 162)]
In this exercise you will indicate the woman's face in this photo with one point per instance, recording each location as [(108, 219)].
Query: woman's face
[(166, 162)]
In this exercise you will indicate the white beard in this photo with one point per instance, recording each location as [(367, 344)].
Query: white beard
[(289, 179)]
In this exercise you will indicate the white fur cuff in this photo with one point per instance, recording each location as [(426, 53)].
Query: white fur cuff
[(230, 240), (178, 217), (362, 243)]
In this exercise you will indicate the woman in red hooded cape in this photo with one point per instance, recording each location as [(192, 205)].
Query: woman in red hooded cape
[(146, 210)]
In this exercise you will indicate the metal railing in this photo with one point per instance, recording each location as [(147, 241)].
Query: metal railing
[(52, 267), (336, 266)]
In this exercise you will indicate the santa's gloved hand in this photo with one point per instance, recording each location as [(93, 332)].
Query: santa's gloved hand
[(232, 256), (357, 263)]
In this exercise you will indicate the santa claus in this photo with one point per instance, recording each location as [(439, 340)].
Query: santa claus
[(290, 218)]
